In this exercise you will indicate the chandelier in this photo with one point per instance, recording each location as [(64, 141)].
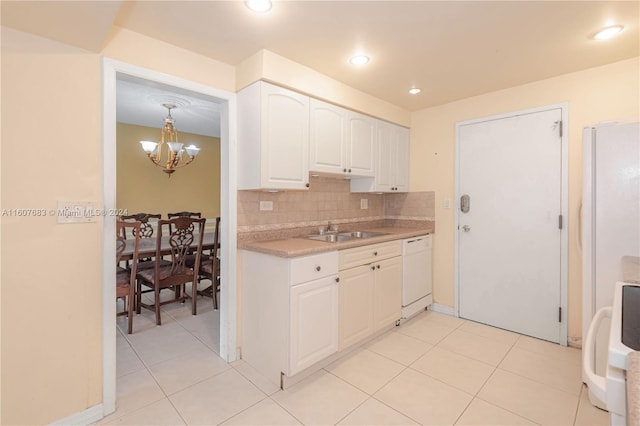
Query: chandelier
[(174, 156)]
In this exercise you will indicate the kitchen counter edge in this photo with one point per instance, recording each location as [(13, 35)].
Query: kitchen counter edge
[(301, 246)]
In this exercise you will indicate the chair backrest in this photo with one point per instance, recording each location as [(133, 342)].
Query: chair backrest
[(185, 237), (146, 229), (183, 214), (121, 242)]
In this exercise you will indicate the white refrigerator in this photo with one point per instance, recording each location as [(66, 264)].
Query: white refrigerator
[(610, 221)]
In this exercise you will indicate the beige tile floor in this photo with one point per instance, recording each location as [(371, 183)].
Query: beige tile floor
[(432, 370)]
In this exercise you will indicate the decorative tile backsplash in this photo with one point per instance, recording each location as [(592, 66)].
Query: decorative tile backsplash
[(328, 199), (410, 205)]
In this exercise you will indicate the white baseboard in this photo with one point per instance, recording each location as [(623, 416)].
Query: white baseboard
[(575, 342), (443, 309), (86, 417)]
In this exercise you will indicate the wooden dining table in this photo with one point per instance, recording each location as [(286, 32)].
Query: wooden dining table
[(147, 246)]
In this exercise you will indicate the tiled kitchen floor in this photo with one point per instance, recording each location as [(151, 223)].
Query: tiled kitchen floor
[(432, 370)]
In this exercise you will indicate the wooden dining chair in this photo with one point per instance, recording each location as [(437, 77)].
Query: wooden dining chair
[(146, 231), (210, 268), (126, 277), (186, 235)]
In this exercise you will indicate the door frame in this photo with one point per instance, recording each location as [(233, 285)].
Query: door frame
[(228, 209), (564, 207)]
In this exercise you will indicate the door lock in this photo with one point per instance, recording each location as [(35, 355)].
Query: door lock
[(465, 203), (466, 228)]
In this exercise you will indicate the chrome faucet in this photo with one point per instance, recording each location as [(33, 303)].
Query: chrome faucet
[(331, 228)]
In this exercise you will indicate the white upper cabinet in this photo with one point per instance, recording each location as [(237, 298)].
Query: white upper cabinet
[(327, 138), (392, 161), (341, 141), (362, 144), (273, 138)]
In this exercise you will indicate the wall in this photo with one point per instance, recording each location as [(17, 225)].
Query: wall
[(142, 187), (277, 69), (609, 92), (51, 274), (137, 49), (51, 312)]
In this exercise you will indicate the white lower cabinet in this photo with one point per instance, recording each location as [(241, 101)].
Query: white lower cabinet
[(371, 292), (289, 311), (356, 305), (314, 322), (297, 312)]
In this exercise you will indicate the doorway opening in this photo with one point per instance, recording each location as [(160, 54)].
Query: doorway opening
[(220, 103)]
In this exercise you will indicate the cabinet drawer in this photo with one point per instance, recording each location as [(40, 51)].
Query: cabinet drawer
[(362, 255), (312, 267)]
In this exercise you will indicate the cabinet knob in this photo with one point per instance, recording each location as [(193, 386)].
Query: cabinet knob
[(378, 266), (306, 184), (349, 170), (344, 170), (338, 279), (373, 268), (318, 268), (375, 253)]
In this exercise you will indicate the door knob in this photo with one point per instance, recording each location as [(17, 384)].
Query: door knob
[(466, 228)]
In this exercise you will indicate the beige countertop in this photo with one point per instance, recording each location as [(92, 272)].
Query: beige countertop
[(301, 246)]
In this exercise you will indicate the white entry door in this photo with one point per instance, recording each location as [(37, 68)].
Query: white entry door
[(509, 242)]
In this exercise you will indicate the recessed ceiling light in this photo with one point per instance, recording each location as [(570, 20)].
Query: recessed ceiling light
[(609, 32), (415, 90), (260, 6), (359, 60)]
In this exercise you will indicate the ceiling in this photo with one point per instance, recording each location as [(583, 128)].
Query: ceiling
[(141, 102), (450, 49)]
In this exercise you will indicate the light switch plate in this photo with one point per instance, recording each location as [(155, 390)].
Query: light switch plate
[(266, 206), (447, 204), (75, 212), (364, 204)]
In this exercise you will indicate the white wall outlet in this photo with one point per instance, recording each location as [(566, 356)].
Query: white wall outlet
[(364, 203), (446, 204), (266, 206)]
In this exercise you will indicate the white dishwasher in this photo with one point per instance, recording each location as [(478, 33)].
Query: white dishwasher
[(416, 274)]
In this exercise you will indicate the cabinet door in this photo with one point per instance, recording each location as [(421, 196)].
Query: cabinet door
[(356, 305), (314, 322), (386, 157), (361, 137), (327, 138), (285, 138), (387, 292), (402, 160)]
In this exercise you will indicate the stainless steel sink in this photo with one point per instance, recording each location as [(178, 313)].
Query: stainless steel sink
[(330, 238), (344, 236), (362, 234)]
